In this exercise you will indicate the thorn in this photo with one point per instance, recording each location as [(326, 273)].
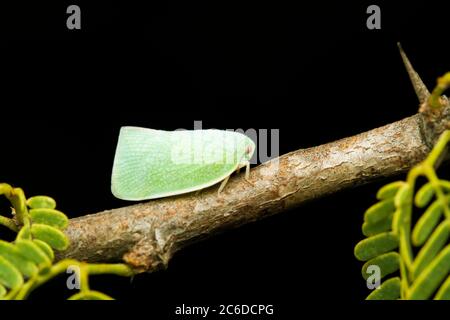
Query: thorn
[(419, 87)]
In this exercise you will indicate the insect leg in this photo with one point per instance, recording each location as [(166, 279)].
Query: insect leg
[(247, 170), (222, 185), (247, 173)]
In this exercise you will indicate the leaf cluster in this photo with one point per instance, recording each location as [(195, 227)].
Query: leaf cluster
[(29, 261), (413, 249)]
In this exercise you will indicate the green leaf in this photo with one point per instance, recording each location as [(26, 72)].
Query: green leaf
[(371, 229), (52, 236), (380, 211), (426, 223), (388, 263), (38, 202), (389, 190), (31, 251), (10, 277), (46, 248), (444, 291), (11, 253), (24, 233), (374, 246), (431, 277), (431, 248), (388, 290), (424, 195), (49, 217), (90, 295)]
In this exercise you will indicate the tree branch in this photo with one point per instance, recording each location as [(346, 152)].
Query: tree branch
[(146, 235)]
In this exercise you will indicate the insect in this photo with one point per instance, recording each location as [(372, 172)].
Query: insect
[(151, 164)]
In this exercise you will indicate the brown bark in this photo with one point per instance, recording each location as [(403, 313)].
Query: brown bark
[(146, 235)]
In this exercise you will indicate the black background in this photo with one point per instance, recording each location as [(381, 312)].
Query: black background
[(313, 70)]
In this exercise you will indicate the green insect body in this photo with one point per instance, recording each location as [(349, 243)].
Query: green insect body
[(153, 164)]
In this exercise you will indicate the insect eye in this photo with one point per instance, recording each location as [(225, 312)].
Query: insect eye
[(248, 150)]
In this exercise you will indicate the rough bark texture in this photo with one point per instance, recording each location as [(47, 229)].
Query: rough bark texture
[(147, 235)]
